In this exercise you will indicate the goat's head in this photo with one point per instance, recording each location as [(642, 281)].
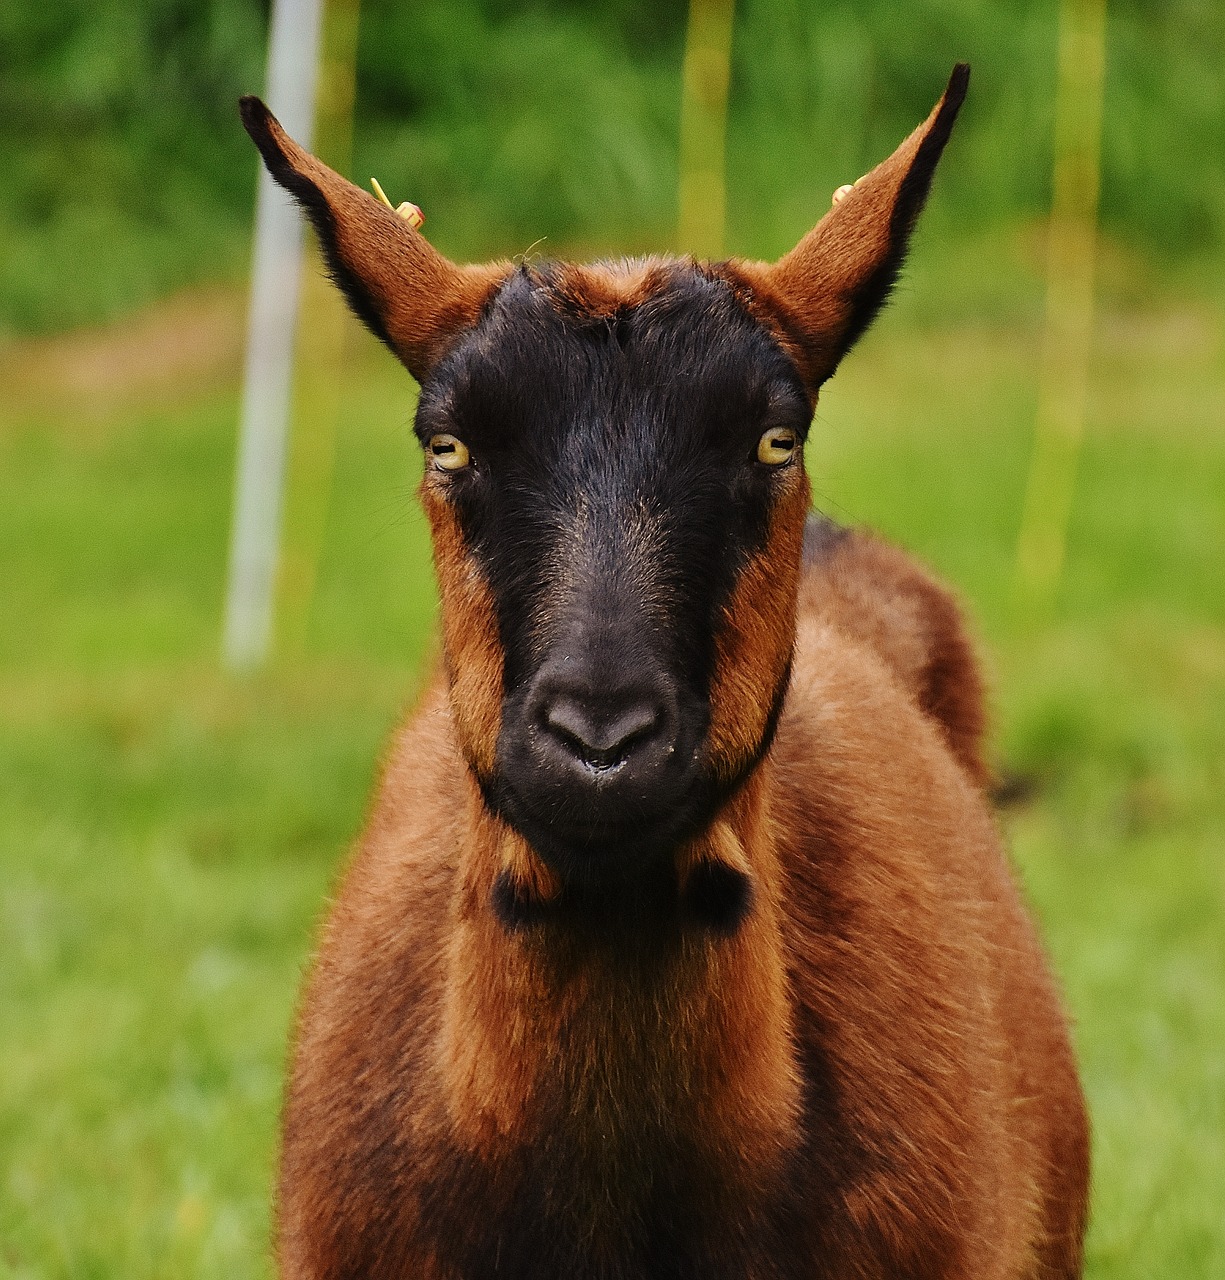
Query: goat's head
[(615, 483)]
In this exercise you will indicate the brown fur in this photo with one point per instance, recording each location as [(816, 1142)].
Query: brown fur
[(470, 634), (597, 291), (754, 643), (880, 598), (883, 1019)]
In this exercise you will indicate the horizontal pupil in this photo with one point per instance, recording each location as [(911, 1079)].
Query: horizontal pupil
[(444, 448)]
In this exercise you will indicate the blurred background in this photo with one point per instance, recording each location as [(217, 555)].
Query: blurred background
[(168, 831)]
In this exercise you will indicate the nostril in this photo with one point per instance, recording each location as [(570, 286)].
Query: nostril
[(601, 740)]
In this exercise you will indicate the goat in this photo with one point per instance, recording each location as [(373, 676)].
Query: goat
[(679, 941)]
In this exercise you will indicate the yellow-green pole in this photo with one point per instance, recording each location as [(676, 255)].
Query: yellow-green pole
[(322, 327), (1067, 342), (707, 71)]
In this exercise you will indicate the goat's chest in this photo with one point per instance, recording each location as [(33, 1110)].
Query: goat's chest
[(591, 1202)]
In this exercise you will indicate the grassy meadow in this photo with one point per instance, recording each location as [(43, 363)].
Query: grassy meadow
[(168, 833)]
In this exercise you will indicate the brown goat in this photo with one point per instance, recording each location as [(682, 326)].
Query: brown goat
[(680, 941)]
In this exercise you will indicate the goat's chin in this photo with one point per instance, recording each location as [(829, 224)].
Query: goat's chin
[(613, 874), (611, 851), (599, 855)]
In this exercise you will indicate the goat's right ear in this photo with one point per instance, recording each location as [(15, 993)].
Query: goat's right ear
[(820, 297), (397, 283)]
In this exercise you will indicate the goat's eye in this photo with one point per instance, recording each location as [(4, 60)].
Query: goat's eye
[(449, 452), (777, 446)]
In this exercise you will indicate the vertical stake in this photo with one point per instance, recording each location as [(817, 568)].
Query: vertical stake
[(705, 78), (323, 323), (293, 57), (1067, 341)]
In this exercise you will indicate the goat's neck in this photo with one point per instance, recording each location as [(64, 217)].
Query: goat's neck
[(623, 1038)]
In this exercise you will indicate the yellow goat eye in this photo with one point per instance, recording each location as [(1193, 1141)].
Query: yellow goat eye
[(776, 446), (449, 452)]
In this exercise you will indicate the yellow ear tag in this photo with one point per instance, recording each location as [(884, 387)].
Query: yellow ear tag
[(845, 190), (408, 211)]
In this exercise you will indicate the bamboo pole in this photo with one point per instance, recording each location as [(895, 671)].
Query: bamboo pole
[(1067, 342), (322, 325), (704, 85)]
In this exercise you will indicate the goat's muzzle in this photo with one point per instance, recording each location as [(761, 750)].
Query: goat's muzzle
[(598, 759)]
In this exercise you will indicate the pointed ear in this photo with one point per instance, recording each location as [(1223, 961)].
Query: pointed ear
[(822, 295), (397, 283)]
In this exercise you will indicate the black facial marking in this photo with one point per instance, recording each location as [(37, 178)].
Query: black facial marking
[(612, 496), (513, 906), (718, 896)]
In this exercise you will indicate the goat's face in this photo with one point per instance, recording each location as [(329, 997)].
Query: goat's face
[(630, 514), (616, 491)]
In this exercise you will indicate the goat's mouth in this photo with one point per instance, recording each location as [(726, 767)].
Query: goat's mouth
[(590, 843)]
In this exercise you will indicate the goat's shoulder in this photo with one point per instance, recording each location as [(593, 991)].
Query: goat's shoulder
[(879, 817), (878, 750), (910, 956)]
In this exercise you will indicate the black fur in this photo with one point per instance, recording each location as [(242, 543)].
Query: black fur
[(718, 896), (614, 494)]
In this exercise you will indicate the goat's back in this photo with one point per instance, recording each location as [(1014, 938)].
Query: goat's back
[(874, 595)]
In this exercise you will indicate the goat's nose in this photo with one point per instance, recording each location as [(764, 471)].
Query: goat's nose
[(602, 734)]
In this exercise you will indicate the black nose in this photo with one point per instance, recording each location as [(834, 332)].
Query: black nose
[(604, 732), (589, 721), (597, 756)]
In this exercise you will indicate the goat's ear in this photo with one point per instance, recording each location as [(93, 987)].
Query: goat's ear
[(397, 283), (822, 295)]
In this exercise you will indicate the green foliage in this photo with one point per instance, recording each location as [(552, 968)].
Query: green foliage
[(123, 172), (126, 173), (516, 122), (822, 94)]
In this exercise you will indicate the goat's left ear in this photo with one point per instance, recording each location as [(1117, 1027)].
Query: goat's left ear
[(821, 296), (405, 291)]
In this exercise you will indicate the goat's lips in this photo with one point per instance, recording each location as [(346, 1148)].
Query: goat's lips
[(592, 836)]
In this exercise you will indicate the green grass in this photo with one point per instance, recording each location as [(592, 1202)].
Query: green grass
[(167, 834)]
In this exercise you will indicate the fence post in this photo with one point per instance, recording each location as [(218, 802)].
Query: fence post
[(323, 326), (293, 58)]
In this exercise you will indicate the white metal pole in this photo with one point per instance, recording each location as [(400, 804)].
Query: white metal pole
[(293, 59)]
